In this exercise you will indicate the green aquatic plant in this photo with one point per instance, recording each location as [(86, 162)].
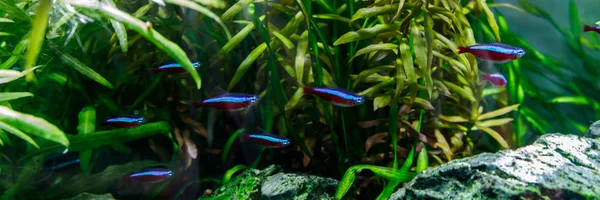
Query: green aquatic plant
[(400, 55), (543, 107)]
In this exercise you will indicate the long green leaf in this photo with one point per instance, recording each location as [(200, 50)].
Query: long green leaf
[(409, 70), (301, 49), (38, 31), (33, 125), (204, 11), (172, 49), (494, 134), (105, 138), (498, 112), (491, 21), (14, 11), (574, 20), (422, 160), (229, 144), (119, 29), (241, 70), (366, 33), (7, 96), (87, 125), (375, 48), (229, 173), (18, 133), (388, 173), (16, 53), (82, 68)]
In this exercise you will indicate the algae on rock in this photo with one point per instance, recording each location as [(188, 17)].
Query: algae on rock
[(270, 183)]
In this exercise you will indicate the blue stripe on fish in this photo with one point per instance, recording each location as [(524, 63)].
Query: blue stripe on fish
[(232, 98), (500, 48), (153, 173), (177, 65), (284, 141), (127, 119)]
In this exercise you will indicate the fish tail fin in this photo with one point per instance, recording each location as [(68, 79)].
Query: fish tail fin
[(587, 28), (463, 49)]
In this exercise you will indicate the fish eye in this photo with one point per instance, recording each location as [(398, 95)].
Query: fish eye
[(520, 52)]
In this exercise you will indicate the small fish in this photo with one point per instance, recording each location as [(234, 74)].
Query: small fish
[(125, 121), (587, 28), (496, 52), (268, 140), (337, 96), (229, 101), (61, 165), (151, 175), (174, 68), (496, 79)]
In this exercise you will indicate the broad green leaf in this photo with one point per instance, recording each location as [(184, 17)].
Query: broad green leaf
[(4, 138), (295, 98), (409, 160), (332, 17), (32, 125), (381, 101), (495, 122), (229, 173), (286, 42), (213, 3), (82, 68), (368, 72), (577, 100), (494, 134), (241, 70), (238, 38), (38, 31), (375, 47), (429, 42), (384, 172), (443, 144), (11, 9), (16, 53), (461, 91), (105, 138), (374, 11), (172, 49), (422, 160), (18, 133), (203, 10), (574, 20), (419, 102), (235, 9), (393, 130), (491, 21), (455, 119), (7, 96), (366, 33), (492, 91), (301, 57), (498, 112), (140, 12), (119, 29), (87, 125), (409, 70), (229, 144), (370, 91)]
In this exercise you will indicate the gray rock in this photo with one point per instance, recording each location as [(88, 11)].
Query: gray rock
[(270, 183), (556, 166), (88, 196), (594, 131)]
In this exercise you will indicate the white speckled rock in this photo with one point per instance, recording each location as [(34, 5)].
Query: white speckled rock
[(556, 166), (269, 184)]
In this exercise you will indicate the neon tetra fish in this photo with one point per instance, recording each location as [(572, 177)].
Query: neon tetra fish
[(174, 68), (229, 101), (587, 28), (152, 175), (495, 52), (337, 96), (268, 140), (496, 79), (125, 121)]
